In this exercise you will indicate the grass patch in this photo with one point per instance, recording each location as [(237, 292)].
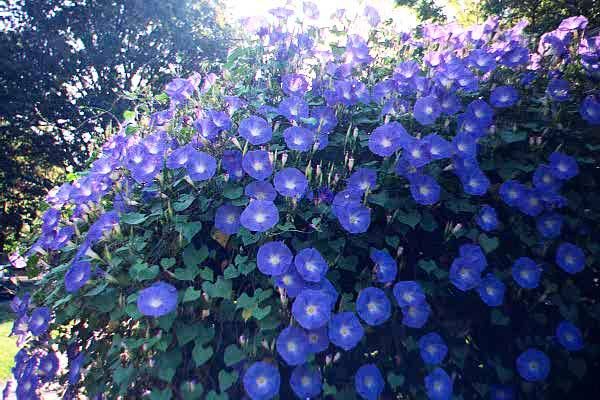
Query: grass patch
[(8, 345)]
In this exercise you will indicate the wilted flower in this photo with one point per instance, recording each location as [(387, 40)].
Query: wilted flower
[(373, 306), (292, 345), (157, 300), (570, 258), (261, 381), (345, 330), (259, 216), (432, 348), (227, 219), (438, 385), (526, 273), (533, 365), (369, 382)]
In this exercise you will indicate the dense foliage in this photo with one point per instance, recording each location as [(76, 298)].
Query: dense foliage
[(65, 67), (389, 216)]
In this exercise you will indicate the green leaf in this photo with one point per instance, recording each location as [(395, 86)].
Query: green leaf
[(231, 272), (509, 136), (578, 367), (133, 218), (129, 115), (428, 266), (189, 229), (246, 268), (233, 192), (142, 272), (498, 318), (191, 390), (191, 294), (488, 244), (212, 395), (193, 257), (165, 394), (201, 354), (186, 333), (227, 379), (184, 201), (260, 313), (411, 218), (395, 380), (220, 289), (167, 263), (233, 355)]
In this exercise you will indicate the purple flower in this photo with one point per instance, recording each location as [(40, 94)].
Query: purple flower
[(326, 119), (291, 281), (311, 11), (39, 320), (255, 130), (415, 316), (294, 84), (206, 128), (227, 219), (516, 57), (531, 203), (408, 293), (439, 148), (260, 190), (481, 112), (416, 153), (20, 305), (259, 216), (48, 366), (318, 341), (306, 382), (512, 192), (569, 336), (482, 60), (438, 385), (572, 23), (544, 180), (179, 90), (475, 182), (311, 265), (426, 110), (386, 267), (201, 166), (292, 345), (179, 157), (558, 90), (143, 166), (487, 219), (526, 273), (590, 110), (373, 306), (386, 139), (345, 330), (368, 382), (504, 96), (312, 309), (293, 108), (299, 139), (533, 365), (290, 182), (355, 218), (464, 275), (220, 119), (232, 163), (274, 258), (563, 166), (256, 163), (362, 179), (344, 199), (261, 381), (570, 258), (77, 276), (424, 189), (549, 225), (491, 290), (372, 15), (432, 348), (500, 392), (157, 300)]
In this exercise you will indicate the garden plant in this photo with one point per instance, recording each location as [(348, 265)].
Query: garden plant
[(334, 214)]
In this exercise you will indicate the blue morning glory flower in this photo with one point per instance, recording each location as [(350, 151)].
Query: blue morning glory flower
[(345, 330), (491, 290), (75, 367), (373, 306), (369, 382), (481, 112), (48, 366), (504, 96), (590, 110), (206, 128), (179, 157), (39, 320), (415, 316), (432, 348), (558, 90), (475, 182), (77, 275), (512, 192), (318, 340), (261, 381), (533, 365), (355, 217), (27, 387), (438, 385), (292, 345), (232, 163), (260, 190), (570, 258), (487, 219), (259, 216), (544, 180), (416, 153), (439, 148), (386, 139), (306, 381), (294, 84), (255, 130), (201, 166), (344, 199), (326, 119), (408, 293), (290, 182), (157, 300), (293, 108), (291, 281), (526, 273), (362, 179), (569, 336), (563, 166), (310, 264), (386, 267), (312, 309), (482, 60), (426, 110), (326, 287), (450, 103), (502, 392), (531, 203), (143, 166), (256, 163), (469, 125), (274, 258), (298, 138), (549, 225), (464, 275), (227, 219), (220, 119), (179, 90), (424, 189)]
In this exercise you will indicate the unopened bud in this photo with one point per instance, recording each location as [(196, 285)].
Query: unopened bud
[(350, 164), (284, 158)]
